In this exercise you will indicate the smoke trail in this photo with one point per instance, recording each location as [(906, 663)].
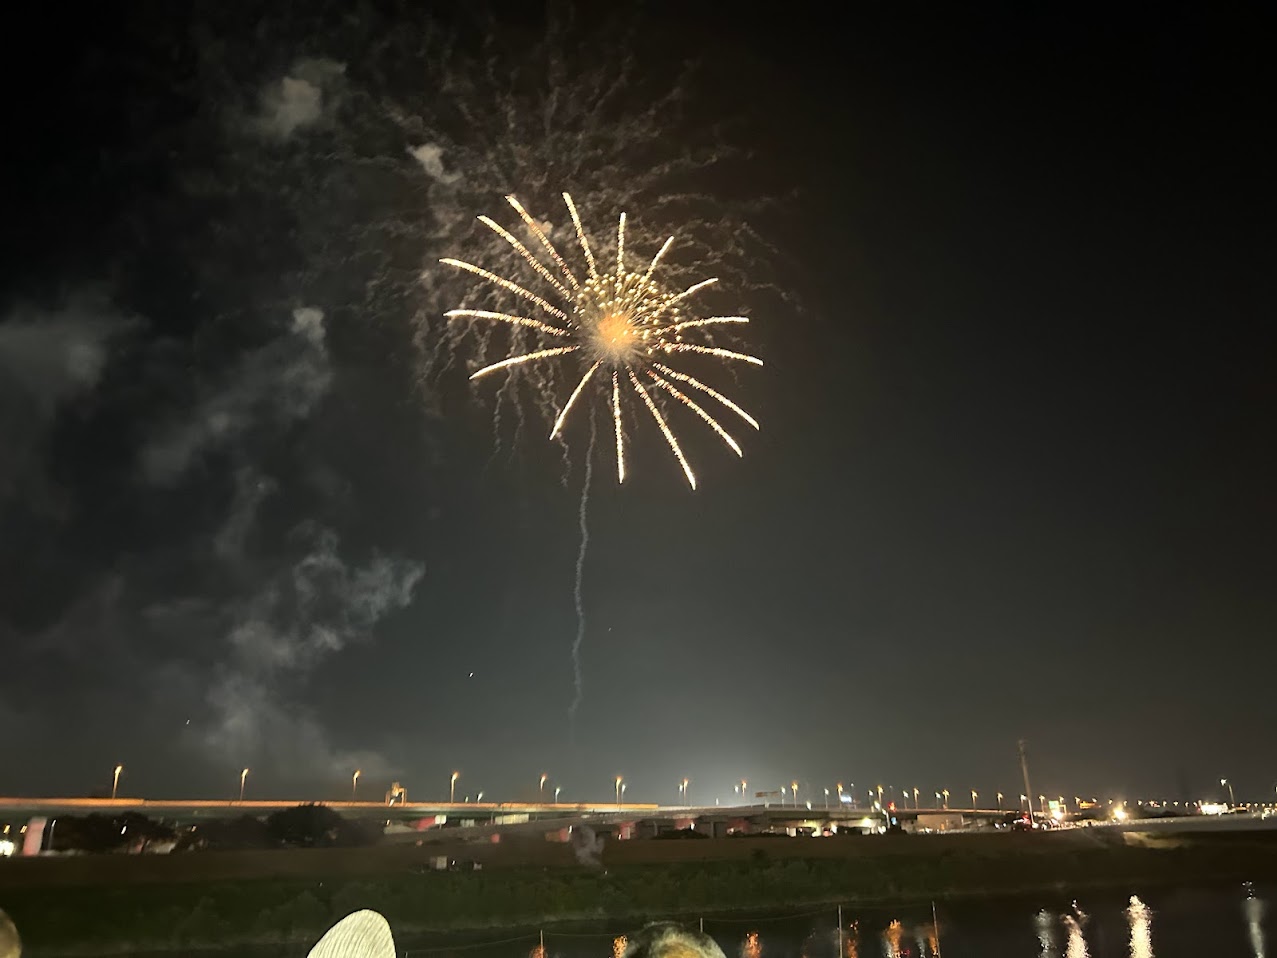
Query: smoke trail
[(577, 684)]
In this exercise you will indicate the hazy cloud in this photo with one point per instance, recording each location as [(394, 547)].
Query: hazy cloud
[(307, 612), (281, 382), (47, 360), (299, 99), (430, 156)]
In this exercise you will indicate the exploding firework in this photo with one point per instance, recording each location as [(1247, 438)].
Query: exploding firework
[(621, 326)]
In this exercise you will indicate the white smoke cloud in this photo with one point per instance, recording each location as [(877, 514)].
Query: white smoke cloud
[(55, 357), (47, 360), (300, 98), (309, 611), (251, 489), (430, 156), (281, 382), (253, 724)]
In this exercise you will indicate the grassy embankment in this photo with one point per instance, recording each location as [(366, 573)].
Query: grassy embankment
[(130, 905)]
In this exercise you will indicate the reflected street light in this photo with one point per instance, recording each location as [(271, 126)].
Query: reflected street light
[(243, 777), (452, 788), (115, 782), (354, 784)]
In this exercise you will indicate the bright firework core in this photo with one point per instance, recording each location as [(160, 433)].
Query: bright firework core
[(623, 323)]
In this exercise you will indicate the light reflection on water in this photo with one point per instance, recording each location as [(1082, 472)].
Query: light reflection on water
[(1197, 923), (1045, 926), (1253, 908), (1140, 917), (1076, 947)]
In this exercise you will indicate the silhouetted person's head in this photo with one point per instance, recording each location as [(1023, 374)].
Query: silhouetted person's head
[(10, 945), (667, 940)]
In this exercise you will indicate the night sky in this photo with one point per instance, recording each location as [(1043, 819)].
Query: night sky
[(1013, 287)]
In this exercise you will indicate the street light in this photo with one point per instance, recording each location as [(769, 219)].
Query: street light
[(999, 801), (826, 799), (904, 797), (937, 799), (915, 798), (1042, 802), (452, 788), (794, 785), (618, 789), (116, 780), (782, 796), (624, 786), (243, 777), (544, 776), (974, 796), (1231, 799), (478, 798), (557, 789), (743, 783), (685, 783), (354, 784), (945, 793)]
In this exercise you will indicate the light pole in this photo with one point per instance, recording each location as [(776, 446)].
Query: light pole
[(452, 788), (624, 786), (945, 793), (685, 798), (1024, 799), (478, 799), (544, 776), (115, 782), (743, 783), (826, 799), (794, 786), (243, 777), (974, 796), (915, 799), (782, 796), (557, 789), (354, 784), (937, 800), (1231, 800), (999, 801), (880, 796), (1042, 802), (618, 789), (904, 797)]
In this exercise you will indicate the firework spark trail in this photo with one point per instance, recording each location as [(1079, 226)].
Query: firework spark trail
[(620, 320), (578, 685)]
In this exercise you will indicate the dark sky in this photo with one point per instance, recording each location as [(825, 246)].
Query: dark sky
[(1016, 470)]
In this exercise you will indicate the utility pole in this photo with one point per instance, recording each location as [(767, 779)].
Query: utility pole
[(1024, 767)]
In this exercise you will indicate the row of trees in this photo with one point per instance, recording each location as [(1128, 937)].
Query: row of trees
[(303, 826)]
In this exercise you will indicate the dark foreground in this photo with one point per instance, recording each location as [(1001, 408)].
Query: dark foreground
[(237, 901)]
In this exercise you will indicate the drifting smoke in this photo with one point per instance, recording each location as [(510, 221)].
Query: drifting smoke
[(587, 847), (578, 683), (280, 383)]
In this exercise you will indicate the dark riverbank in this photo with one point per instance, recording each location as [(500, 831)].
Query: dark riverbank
[(124, 905)]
